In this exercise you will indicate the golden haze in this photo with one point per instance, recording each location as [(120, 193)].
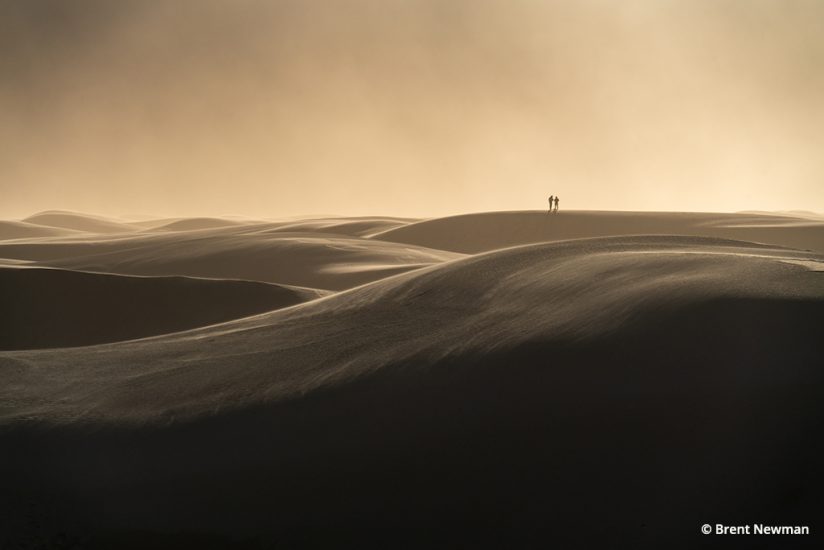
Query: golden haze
[(419, 107)]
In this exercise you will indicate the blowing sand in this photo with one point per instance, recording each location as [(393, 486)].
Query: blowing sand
[(608, 391)]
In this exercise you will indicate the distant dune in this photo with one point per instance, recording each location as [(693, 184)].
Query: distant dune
[(256, 252), (191, 224), (353, 227), (804, 214), (472, 233), (24, 230), (47, 308), (78, 222), (512, 392)]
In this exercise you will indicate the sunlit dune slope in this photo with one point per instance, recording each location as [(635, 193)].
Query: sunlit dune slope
[(254, 252), (47, 308), (472, 233), (489, 392)]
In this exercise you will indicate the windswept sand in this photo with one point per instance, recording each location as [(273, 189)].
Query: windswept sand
[(190, 224), (473, 233), (353, 227), (606, 392), (565, 292), (23, 230), (255, 252), (78, 222)]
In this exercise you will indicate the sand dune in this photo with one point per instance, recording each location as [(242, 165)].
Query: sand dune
[(353, 227), (246, 252), (566, 291), (357, 226), (78, 222), (541, 385), (47, 308), (191, 224), (24, 230), (472, 233), (804, 214)]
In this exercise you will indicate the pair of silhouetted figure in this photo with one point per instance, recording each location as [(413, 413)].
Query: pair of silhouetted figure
[(553, 201)]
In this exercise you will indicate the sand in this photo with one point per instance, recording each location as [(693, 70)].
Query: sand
[(259, 252), (48, 308), (21, 230), (190, 224), (617, 391), (78, 222), (472, 233)]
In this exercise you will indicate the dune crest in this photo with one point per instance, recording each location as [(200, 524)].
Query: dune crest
[(24, 230), (253, 252), (558, 292), (78, 222), (191, 224), (481, 232), (364, 226)]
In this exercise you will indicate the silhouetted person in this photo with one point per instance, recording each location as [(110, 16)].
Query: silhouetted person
[(550, 204), (556, 204)]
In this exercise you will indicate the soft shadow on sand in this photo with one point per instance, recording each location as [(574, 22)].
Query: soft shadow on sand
[(48, 308)]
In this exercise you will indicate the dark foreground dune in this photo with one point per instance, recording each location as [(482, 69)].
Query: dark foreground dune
[(49, 308), (610, 393)]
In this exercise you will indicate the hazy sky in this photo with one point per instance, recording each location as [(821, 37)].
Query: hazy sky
[(409, 107)]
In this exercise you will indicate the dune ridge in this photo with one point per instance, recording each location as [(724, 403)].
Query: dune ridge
[(244, 252), (24, 230), (363, 226), (481, 232), (473, 305), (191, 224), (78, 222)]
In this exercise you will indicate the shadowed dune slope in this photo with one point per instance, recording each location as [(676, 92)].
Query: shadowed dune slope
[(79, 222), (472, 233), (47, 308), (535, 391), (253, 252)]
